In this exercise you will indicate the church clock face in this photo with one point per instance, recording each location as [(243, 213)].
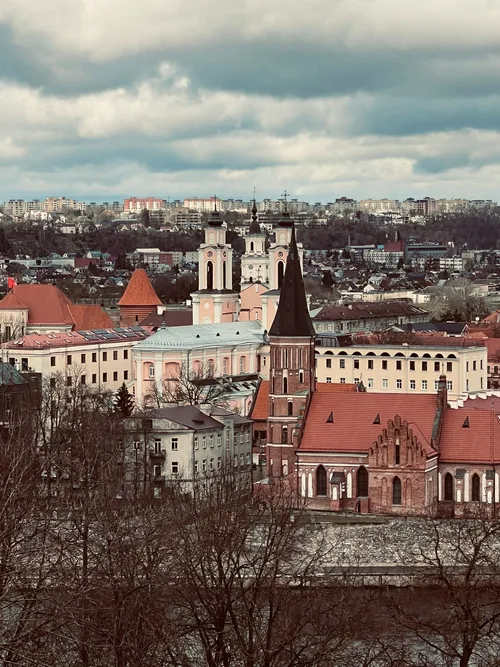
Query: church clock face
[(209, 253), (280, 254)]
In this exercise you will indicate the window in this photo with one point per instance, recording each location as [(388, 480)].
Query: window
[(52, 361), (157, 471), (157, 446), (356, 380), (204, 442), (219, 462), (412, 365), (125, 354), (437, 366), (342, 380), (328, 380), (356, 363), (424, 365), (370, 383), (284, 435), (413, 384), (384, 364), (104, 356), (396, 491), (362, 482), (370, 364), (285, 385), (69, 359), (424, 385), (24, 364), (399, 365), (290, 408), (320, 481), (104, 377), (125, 375), (449, 385), (467, 366), (436, 385), (175, 467), (83, 358), (175, 444), (467, 385), (115, 376), (397, 454), (94, 357), (385, 383), (342, 363), (448, 486), (476, 486), (211, 441), (242, 437), (480, 364), (235, 460), (151, 371), (196, 443), (399, 383), (474, 365), (242, 364), (115, 355), (301, 377), (328, 363), (83, 379), (204, 465), (94, 378), (211, 464), (8, 332), (449, 367), (219, 440), (69, 381), (196, 466)]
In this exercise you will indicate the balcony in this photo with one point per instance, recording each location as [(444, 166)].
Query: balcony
[(157, 454)]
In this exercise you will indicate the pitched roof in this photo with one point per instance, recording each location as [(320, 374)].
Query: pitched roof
[(186, 415), (292, 317), (170, 318), (90, 317), (139, 291), (353, 428), (46, 304), (470, 436), (260, 407)]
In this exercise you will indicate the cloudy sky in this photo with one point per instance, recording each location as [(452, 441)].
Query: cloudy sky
[(363, 98)]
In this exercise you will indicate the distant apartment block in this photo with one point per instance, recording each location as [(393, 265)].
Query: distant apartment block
[(202, 205), (379, 205), (137, 204)]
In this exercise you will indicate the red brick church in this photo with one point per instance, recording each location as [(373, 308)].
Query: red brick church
[(368, 452)]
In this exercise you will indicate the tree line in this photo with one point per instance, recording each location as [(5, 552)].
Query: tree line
[(98, 569)]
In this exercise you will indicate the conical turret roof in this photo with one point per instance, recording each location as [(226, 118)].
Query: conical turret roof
[(292, 317), (140, 291), (254, 225)]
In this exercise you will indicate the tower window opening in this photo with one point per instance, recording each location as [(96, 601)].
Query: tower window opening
[(210, 275)]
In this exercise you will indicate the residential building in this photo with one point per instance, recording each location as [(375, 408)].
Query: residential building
[(367, 316), (186, 445), (137, 204), (379, 205), (202, 205), (101, 358)]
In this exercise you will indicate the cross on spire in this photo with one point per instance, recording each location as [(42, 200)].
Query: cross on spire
[(285, 196), (215, 202)]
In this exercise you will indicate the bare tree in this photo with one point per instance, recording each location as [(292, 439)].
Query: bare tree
[(459, 302), (189, 387)]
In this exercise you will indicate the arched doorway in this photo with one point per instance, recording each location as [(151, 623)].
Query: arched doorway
[(448, 486), (362, 482), (320, 481)]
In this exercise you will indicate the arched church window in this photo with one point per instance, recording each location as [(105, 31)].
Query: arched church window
[(285, 385), (210, 275), (362, 481), (281, 272), (320, 481), (290, 408), (284, 435), (396, 491), (301, 377), (223, 275), (251, 246), (476, 486)]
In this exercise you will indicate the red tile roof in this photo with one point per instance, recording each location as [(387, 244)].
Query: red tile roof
[(260, 408), (470, 436), (493, 345), (46, 304), (90, 317), (140, 291), (353, 429)]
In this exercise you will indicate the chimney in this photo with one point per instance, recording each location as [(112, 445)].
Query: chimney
[(442, 392)]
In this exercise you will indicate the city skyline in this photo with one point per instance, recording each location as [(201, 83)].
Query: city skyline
[(359, 99)]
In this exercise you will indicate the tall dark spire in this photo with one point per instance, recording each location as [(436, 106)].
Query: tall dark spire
[(215, 219), (292, 317), (254, 225)]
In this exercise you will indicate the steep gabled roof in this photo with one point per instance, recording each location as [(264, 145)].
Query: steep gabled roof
[(90, 317), (352, 422), (292, 317), (140, 291)]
